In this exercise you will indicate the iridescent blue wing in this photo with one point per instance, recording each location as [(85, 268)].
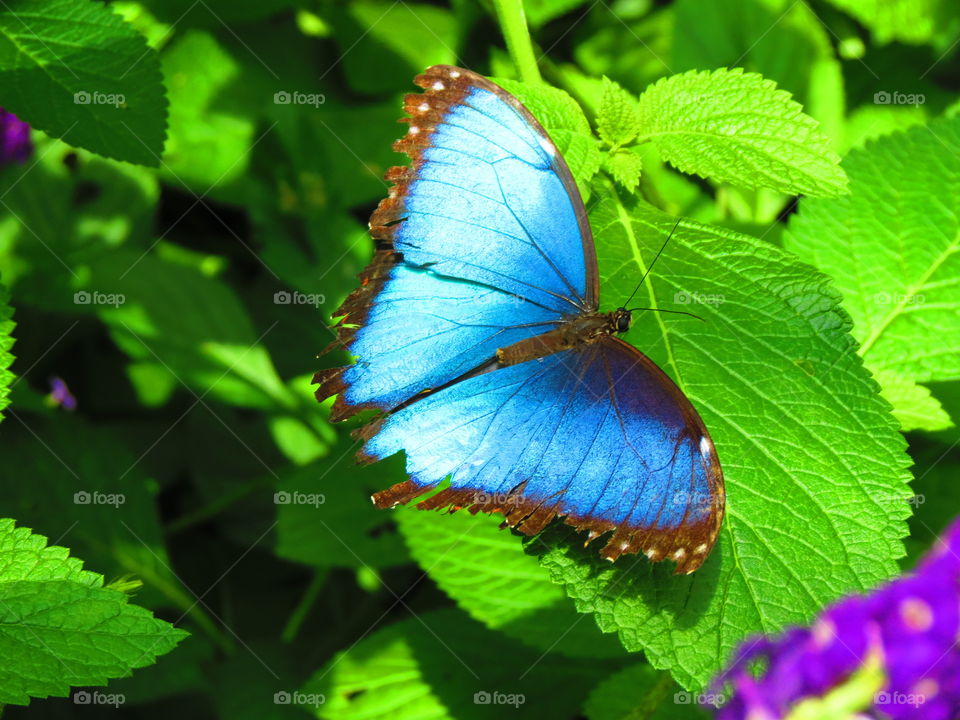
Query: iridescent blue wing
[(598, 435), (482, 242)]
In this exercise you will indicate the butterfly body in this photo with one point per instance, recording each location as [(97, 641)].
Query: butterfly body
[(576, 332), (479, 339)]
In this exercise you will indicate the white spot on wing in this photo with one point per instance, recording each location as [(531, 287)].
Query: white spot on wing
[(700, 549), (414, 130), (705, 446), (423, 107), (454, 74), (547, 146), (438, 85)]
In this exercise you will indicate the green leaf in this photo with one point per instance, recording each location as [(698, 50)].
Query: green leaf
[(324, 515), (70, 206), (779, 39), (805, 442), (618, 120), (60, 627), (909, 21), (210, 138), (913, 405), (77, 71), (540, 12), (736, 127), (893, 249), (384, 44), (189, 323), (625, 167), (440, 665), (6, 345), (485, 571), (640, 691)]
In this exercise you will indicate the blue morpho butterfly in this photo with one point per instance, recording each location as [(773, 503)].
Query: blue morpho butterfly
[(478, 337)]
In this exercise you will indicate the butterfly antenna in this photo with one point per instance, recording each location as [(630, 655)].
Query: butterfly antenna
[(647, 272), (672, 312)]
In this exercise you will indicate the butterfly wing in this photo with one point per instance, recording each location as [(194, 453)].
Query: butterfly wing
[(598, 435), (482, 242)]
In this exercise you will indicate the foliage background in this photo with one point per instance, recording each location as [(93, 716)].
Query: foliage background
[(231, 223)]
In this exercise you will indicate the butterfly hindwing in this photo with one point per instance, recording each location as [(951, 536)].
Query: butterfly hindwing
[(480, 244), (598, 435)]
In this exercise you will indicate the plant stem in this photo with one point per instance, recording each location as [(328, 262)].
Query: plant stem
[(305, 605), (513, 25)]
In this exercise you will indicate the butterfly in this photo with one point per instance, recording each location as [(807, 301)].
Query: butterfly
[(479, 340)]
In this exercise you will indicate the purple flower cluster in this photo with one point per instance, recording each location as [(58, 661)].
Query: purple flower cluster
[(15, 143), (909, 629)]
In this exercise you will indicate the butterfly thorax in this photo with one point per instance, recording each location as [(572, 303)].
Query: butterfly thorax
[(575, 332)]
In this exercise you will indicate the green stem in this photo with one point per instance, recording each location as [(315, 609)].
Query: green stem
[(513, 25), (305, 605)]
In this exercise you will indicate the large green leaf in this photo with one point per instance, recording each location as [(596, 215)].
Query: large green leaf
[(737, 127), (814, 466), (485, 570), (893, 249), (441, 665), (59, 626), (76, 70)]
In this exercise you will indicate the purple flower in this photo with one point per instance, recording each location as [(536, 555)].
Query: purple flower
[(15, 145), (909, 628), (60, 394)]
